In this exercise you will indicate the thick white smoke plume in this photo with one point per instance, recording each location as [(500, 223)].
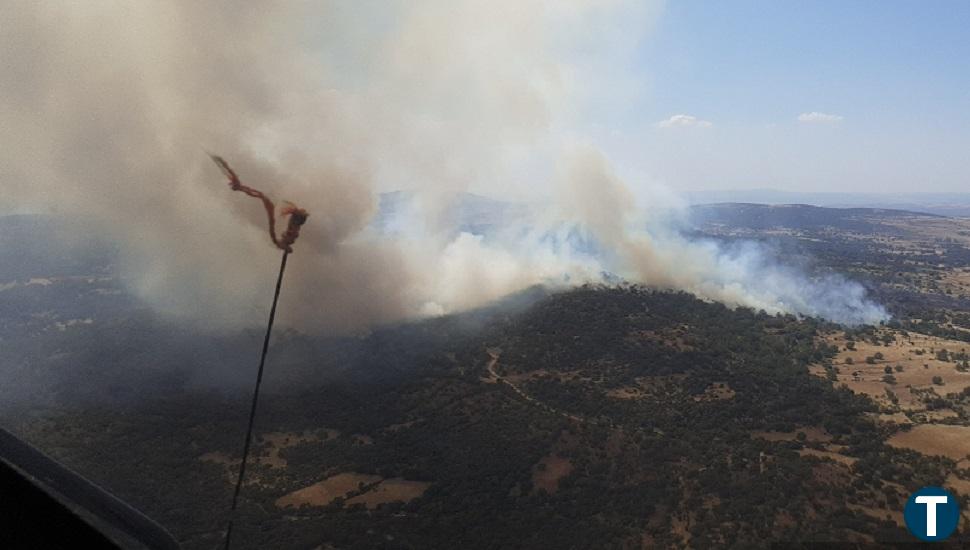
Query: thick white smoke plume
[(106, 107), (744, 274)]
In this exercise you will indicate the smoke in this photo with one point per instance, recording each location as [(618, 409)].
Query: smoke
[(744, 274), (107, 107)]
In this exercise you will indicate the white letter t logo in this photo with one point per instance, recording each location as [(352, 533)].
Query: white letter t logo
[(931, 502)]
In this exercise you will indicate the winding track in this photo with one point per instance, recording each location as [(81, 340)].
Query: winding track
[(490, 367)]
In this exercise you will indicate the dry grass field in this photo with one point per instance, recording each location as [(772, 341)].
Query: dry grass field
[(390, 490), (369, 490), (326, 491), (935, 439), (928, 231), (909, 371), (957, 281), (913, 363)]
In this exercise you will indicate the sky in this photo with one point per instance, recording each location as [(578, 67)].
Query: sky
[(801, 96)]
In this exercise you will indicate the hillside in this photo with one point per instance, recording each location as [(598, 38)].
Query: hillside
[(598, 417), (945, 204), (614, 417)]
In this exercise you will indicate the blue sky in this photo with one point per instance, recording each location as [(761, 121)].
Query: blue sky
[(894, 76)]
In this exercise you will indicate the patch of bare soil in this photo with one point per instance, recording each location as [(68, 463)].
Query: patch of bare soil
[(547, 473)]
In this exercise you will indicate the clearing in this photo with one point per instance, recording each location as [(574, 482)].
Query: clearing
[(935, 439), (915, 354), (547, 473), (324, 492), (369, 490)]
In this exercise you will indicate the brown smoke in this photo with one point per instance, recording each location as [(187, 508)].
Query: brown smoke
[(105, 106)]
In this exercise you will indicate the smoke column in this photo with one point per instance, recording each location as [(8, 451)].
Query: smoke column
[(106, 108), (744, 274)]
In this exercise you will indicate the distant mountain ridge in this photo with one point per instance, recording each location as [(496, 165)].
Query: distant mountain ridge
[(947, 204), (479, 215), (796, 216)]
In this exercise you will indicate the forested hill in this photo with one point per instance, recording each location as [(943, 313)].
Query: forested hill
[(597, 418)]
